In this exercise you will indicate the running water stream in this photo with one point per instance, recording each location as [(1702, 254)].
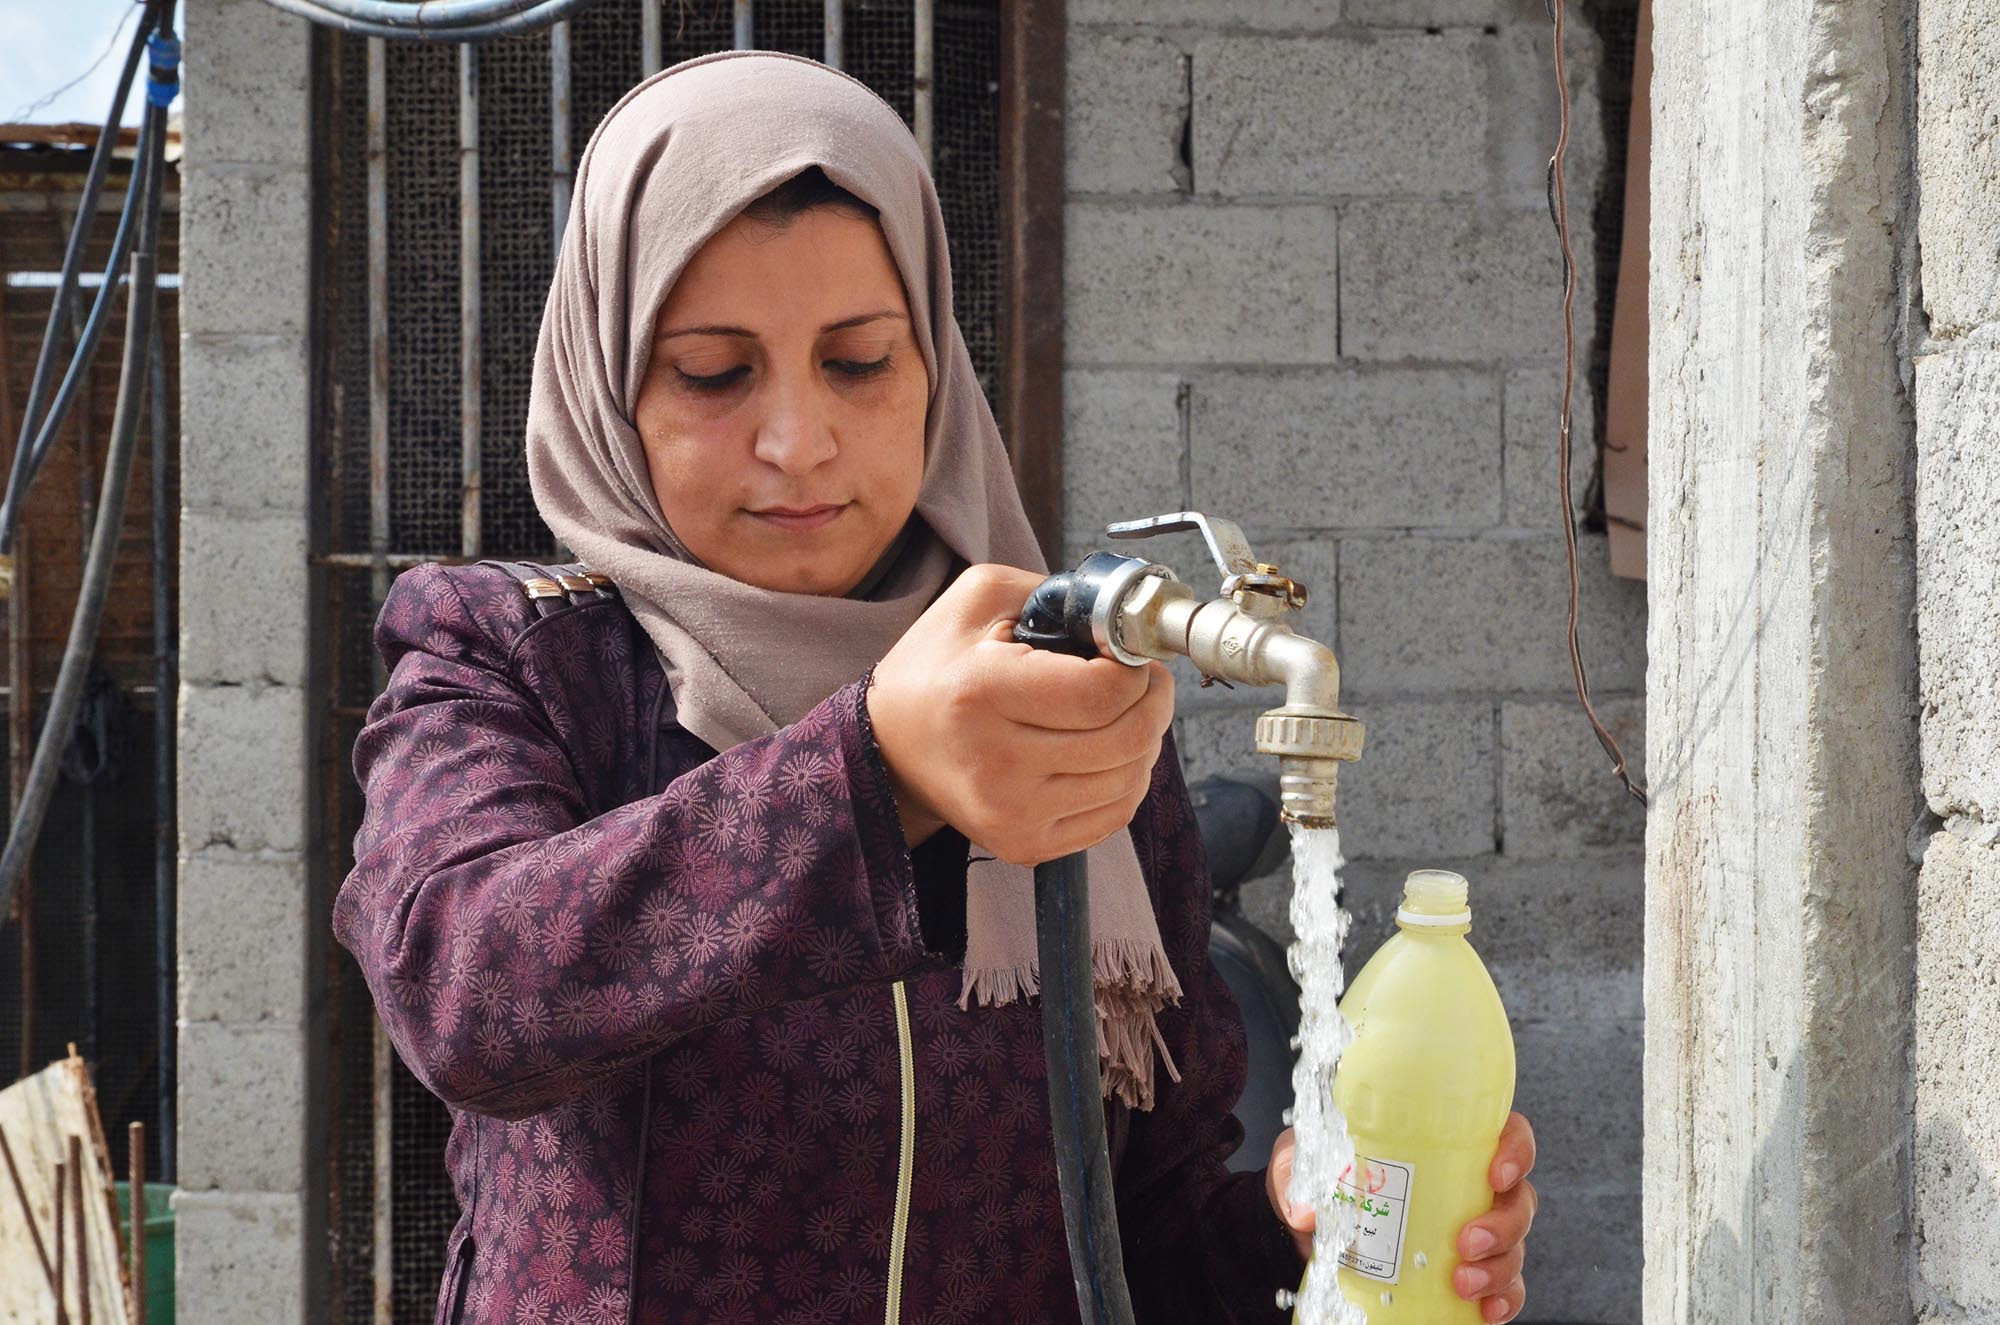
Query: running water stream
[(1323, 1151)]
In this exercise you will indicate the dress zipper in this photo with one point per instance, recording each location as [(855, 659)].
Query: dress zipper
[(905, 1159)]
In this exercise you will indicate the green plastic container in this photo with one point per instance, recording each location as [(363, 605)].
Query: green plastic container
[(159, 1247)]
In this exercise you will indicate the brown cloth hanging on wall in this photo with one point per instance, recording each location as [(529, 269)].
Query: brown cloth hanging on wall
[(1625, 403)]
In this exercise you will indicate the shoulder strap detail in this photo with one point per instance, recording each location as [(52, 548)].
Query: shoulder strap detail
[(550, 589)]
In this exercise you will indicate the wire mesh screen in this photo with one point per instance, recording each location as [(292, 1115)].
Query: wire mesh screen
[(423, 492), (78, 956)]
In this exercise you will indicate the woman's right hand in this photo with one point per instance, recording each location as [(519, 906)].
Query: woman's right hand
[(1032, 755)]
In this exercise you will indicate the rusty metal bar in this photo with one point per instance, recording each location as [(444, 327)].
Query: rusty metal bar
[(82, 1229), (562, 160), (1032, 60), (836, 33), (746, 25), (62, 1241), (469, 414), (135, 1172), (923, 74), (378, 318), (381, 1083), (649, 37)]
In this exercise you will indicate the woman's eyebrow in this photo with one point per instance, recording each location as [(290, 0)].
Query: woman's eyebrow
[(858, 319)]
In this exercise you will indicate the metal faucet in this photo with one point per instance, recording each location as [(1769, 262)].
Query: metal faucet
[(1135, 611)]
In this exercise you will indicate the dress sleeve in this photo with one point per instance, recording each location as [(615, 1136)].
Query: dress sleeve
[(1201, 1243), (517, 948)]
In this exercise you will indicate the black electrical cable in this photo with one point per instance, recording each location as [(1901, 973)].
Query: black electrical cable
[(86, 215), (132, 391), (437, 20), (1076, 1108), (32, 451)]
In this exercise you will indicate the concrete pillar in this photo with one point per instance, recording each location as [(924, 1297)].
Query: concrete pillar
[(1781, 716), (1957, 1141), (250, 1225)]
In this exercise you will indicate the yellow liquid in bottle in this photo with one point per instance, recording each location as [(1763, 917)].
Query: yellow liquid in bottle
[(1425, 1088)]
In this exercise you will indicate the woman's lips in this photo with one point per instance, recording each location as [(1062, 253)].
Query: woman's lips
[(800, 519)]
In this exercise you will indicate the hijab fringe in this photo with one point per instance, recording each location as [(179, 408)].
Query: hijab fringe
[(1134, 981)]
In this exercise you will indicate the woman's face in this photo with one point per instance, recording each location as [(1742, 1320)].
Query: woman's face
[(783, 407)]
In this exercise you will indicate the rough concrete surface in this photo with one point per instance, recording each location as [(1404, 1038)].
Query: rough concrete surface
[(1436, 615), (1128, 105), (1199, 284), (1558, 797), (1448, 281), (239, 1258), (1957, 1063), (1781, 683), (233, 904), (1958, 111), (1387, 132), (1958, 586), (250, 1213), (1396, 448)]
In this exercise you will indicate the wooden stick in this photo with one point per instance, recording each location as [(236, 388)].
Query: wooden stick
[(82, 1229), (136, 1170), (62, 1280), (28, 1213)]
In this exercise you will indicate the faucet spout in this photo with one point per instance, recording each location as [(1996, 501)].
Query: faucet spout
[(1160, 617)]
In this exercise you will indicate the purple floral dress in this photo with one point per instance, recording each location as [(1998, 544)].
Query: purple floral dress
[(655, 985)]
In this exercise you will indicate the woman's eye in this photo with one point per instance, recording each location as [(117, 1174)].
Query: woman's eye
[(856, 369), (714, 381)]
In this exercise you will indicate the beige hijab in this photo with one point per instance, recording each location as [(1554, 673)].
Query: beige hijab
[(674, 162)]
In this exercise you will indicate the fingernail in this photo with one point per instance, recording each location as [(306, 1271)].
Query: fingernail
[(1471, 1282), (1477, 1243), (1509, 1174)]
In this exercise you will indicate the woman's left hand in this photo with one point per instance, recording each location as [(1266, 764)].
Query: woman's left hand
[(1491, 1246)]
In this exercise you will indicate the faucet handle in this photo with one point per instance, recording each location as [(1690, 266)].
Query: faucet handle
[(1225, 539)]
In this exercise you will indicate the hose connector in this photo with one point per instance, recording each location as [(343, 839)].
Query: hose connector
[(1133, 610), (163, 80)]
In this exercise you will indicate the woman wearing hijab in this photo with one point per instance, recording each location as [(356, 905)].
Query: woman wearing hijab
[(700, 888)]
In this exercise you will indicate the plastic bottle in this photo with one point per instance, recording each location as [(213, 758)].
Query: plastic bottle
[(1425, 1088)]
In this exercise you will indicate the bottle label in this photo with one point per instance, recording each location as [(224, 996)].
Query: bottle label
[(1379, 1191)]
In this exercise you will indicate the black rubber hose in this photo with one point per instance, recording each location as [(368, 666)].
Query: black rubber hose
[(39, 440), (1076, 1095), (82, 644), (86, 218)]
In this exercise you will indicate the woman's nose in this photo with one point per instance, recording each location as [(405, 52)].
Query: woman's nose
[(795, 435)]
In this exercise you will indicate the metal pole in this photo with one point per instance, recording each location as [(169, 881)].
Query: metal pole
[(62, 1245), (381, 1080), (562, 162), (746, 25), (76, 1215), (135, 1173), (836, 20), (649, 37), (166, 695), (468, 298), (87, 885), (923, 74)]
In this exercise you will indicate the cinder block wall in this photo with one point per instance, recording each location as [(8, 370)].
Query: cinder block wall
[(248, 1209), (1957, 1119), (1311, 285)]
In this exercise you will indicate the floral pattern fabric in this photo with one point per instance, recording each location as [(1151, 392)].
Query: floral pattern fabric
[(653, 985)]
